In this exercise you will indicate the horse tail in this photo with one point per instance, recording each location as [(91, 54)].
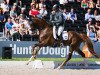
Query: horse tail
[(89, 44)]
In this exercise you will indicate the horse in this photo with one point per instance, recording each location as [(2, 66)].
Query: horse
[(46, 39)]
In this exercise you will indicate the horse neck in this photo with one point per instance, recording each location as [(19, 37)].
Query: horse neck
[(45, 28), (44, 25)]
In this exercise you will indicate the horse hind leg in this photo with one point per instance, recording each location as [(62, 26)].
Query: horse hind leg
[(83, 55), (67, 59)]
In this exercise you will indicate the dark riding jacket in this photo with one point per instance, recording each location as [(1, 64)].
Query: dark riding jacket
[(57, 19)]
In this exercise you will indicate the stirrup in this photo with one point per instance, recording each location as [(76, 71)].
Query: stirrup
[(61, 45)]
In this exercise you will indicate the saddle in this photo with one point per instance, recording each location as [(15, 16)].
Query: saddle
[(59, 40), (63, 36)]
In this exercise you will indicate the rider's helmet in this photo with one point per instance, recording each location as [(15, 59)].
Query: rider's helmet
[(55, 7)]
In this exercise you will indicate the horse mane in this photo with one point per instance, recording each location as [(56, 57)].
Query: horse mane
[(47, 23), (42, 23)]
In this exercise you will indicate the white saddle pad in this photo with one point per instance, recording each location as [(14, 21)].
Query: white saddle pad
[(65, 35)]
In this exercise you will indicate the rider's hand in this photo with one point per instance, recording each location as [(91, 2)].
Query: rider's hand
[(53, 12)]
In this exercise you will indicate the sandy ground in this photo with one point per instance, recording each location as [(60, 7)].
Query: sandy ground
[(19, 68)]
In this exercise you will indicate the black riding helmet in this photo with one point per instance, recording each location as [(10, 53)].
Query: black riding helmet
[(55, 7)]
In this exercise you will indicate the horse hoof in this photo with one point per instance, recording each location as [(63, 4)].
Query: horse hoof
[(27, 63), (60, 67), (85, 67)]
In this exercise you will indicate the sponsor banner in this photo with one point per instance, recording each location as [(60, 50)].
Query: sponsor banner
[(24, 49), (80, 65)]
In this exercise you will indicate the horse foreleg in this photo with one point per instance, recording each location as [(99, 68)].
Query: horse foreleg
[(34, 53)]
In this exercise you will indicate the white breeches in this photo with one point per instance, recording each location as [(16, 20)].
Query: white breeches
[(58, 32)]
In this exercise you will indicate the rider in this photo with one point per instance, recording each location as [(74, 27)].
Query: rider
[(56, 18)]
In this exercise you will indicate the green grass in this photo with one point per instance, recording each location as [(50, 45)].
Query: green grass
[(50, 59)]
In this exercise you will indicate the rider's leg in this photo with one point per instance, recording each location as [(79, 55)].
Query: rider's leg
[(55, 36), (60, 30), (54, 32)]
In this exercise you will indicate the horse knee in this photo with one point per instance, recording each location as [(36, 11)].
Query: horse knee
[(35, 50)]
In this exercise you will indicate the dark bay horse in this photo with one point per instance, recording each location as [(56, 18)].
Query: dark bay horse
[(46, 39)]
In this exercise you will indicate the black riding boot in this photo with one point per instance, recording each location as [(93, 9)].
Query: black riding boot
[(55, 43), (60, 40)]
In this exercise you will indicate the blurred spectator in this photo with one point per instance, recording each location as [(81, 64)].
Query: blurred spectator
[(96, 15), (19, 3), (2, 16), (88, 15), (21, 18), (18, 8), (10, 2), (92, 35), (43, 12), (65, 14), (41, 4), (22, 29), (8, 27), (27, 36), (33, 12), (84, 4), (55, 2), (79, 0), (95, 1), (71, 0), (91, 4), (48, 4), (26, 23), (72, 15), (63, 2), (98, 4), (13, 13), (97, 28), (24, 12), (36, 3), (13, 30), (16, 36), (90, 25), (2, 20), (5, 8), (91, 30), (26, 3), (16, 23)]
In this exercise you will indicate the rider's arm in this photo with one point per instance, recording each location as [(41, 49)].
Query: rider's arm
[(59, 20), (51, 17)]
